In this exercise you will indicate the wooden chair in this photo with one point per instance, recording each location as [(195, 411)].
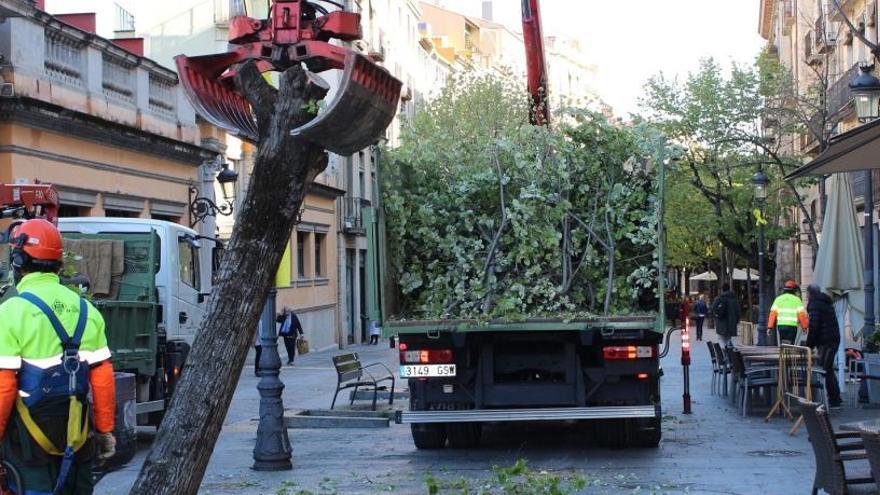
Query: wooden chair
[(871, 440), (831, 454)]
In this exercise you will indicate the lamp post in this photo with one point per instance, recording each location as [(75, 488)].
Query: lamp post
[(866, 94), (760, 181), (201, 207)]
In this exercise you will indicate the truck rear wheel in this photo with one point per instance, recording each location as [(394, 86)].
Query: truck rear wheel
[(645, 432), (463, 435), (428, 436), (610, 433)]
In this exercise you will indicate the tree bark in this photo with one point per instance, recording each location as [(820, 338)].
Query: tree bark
[(284, 169)]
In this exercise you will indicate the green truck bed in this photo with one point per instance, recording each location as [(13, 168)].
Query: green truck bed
[(132, 317)]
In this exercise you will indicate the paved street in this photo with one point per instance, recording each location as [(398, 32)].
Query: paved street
[(712, 451)]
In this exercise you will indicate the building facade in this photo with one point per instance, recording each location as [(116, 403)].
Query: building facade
[(815, 43), (108, 126)]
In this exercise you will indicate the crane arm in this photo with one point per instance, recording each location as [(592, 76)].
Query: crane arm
[(536, 64)]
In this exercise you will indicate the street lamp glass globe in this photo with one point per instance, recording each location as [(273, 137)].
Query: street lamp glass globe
[(227, 179), (760, 182), (866, 94)]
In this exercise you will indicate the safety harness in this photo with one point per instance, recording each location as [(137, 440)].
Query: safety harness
[(39, 383)]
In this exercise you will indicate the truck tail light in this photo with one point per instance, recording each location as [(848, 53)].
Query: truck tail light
[(427, 356), (625, 352)]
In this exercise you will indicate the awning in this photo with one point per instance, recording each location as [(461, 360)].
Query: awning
[(858, 149)]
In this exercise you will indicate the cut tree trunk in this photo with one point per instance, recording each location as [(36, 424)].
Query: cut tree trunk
[(284, 169)]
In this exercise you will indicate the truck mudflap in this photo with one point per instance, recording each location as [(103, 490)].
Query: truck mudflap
[(541, 414)]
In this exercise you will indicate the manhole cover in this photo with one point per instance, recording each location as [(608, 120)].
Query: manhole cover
[(775, 453)]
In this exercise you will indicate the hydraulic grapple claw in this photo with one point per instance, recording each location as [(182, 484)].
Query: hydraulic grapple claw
[(296, 33), (364, 105), (213, 100)]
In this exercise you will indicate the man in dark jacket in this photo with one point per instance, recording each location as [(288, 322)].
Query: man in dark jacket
[(824, 335), (291, 329), (725, 310)]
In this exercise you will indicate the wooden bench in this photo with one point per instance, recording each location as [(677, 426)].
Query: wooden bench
[(351, 373)]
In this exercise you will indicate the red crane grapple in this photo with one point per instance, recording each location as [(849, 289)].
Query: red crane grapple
[(296, 32)]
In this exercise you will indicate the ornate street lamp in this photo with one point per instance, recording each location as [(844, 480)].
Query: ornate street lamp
[(760, 181), (201, 207), (866, 94)]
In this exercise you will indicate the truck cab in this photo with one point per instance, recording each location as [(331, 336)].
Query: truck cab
[(183, 279)]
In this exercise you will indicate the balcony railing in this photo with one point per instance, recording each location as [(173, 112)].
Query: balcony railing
[(118, 79), (352, 215), (839, 94), (64, 58), (162, 95)]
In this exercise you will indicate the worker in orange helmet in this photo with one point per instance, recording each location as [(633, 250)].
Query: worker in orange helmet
[(786, 313), (53, 353)]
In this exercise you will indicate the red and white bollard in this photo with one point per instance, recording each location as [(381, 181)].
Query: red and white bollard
[(686, 364)]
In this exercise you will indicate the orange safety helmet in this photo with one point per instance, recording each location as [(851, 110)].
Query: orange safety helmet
[(790, 285), (36, 241)]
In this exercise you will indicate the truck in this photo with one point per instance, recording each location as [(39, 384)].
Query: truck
[(464, 374), (157, 276)]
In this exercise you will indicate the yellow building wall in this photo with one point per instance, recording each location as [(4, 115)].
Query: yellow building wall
[(110, 169)]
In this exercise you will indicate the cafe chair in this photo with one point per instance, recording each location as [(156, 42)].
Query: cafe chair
[(748, 380), (830, 453)]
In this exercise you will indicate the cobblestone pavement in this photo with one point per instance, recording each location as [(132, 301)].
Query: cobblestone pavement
[(713, 450)]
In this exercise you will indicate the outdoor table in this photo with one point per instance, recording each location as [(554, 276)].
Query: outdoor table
[(748, 350), (761, 358), (870, 425)]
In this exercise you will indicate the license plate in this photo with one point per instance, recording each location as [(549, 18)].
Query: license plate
[(426, 370)]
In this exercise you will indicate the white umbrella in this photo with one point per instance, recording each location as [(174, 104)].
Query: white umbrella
[(839, 262), (748, 273), (707, 276)]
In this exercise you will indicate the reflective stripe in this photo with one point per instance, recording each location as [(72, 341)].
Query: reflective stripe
[(10, 362), (91, 357), (95, 357), (44, 363)]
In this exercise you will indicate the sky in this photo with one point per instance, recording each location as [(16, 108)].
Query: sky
[(632, 40)]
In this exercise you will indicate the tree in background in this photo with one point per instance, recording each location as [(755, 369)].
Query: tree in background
[(716, 119)]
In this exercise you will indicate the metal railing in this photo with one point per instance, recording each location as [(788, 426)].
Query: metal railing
[(352, 215), (840, 94), (124, 18)]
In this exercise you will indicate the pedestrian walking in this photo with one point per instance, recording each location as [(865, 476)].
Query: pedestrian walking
[(375, 332), (824, 335), (786, 313), (291, 329), (53, 356), (700, 312), (725, 310)]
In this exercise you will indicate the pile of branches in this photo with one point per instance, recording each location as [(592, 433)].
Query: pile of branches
[(488, 216)]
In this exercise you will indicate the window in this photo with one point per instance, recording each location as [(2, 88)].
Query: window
[(319, 259), (301, 254), (188, 256), (120, 213), (71, 211)]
